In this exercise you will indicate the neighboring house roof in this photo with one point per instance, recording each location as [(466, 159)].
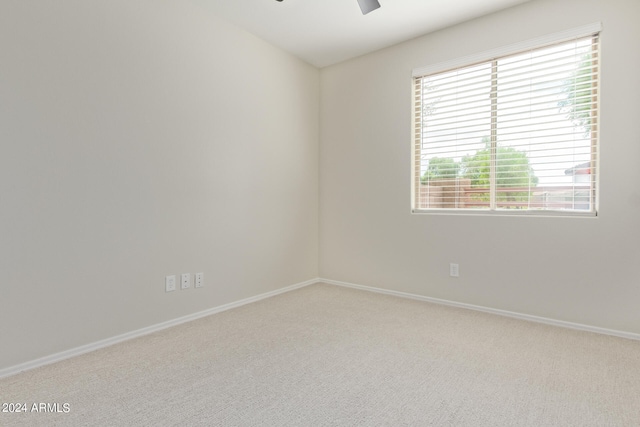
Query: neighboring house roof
[(581, 169)]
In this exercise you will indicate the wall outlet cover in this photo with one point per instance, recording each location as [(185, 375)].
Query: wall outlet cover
[(170, 283), (185, 280), (454, 270), (199, 280)]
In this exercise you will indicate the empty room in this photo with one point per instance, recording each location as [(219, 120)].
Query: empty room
[(319, 213)]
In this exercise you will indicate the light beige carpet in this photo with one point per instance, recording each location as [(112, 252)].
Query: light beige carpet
[(331, 356)]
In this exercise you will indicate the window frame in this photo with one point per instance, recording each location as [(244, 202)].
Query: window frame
[(590, 30)]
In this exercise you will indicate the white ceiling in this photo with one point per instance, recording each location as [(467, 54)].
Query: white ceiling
[(325, 32)]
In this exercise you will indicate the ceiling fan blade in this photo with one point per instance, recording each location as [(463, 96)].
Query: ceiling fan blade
[(368, 5)]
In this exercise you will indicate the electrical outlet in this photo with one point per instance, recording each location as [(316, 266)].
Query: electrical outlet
[(185, 280), (199, 280), (454, 270), (170, 283)]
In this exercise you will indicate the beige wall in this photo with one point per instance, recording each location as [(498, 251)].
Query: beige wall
[(140, 139), (578, 270)]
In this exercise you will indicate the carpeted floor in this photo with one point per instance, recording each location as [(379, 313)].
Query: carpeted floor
[(331, 356)]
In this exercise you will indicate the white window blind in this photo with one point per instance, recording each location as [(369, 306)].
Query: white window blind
[(517, 133)]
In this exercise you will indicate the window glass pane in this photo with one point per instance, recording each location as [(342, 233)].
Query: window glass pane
[(456, 118), (543, 149)]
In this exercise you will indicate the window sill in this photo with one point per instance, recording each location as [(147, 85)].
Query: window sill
[(506, 212)]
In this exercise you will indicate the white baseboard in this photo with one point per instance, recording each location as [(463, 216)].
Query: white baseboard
[(537, 319), (16, 369)]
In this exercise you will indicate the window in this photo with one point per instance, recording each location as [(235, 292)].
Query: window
[(514, 133)]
